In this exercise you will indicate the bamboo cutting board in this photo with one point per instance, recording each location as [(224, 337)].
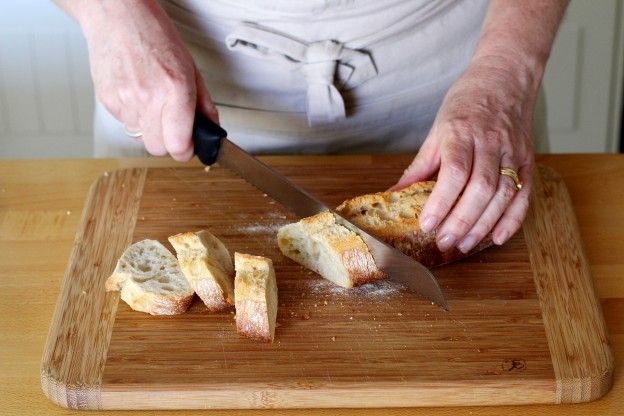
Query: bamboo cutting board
[(524, 327)]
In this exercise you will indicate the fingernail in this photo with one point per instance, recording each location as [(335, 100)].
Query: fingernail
[(501, 238), (445, 242), (427, 224), (467, 244)]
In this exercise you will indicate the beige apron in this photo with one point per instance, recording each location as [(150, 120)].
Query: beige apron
[(321, 76)]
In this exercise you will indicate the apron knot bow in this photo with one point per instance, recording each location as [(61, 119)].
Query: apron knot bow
[(325, 65)]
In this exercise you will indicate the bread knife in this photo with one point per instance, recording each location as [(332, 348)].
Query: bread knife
[(212, 145)]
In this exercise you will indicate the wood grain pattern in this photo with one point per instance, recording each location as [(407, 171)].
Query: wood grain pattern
[(491, 349), (75, 352), (577, 333)]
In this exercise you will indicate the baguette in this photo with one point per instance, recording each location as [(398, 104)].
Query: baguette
[(150, 280), (207, 266), (330, 249), (393, 217), (256, 297)]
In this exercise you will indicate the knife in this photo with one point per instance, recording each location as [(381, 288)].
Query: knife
[(212, 145)]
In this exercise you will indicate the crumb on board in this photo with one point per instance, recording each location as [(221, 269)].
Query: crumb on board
[(207, 169), (399, 314), (105, 173), (264, 195), (68, 212), (306, 316), (324, 302), (333, 338)]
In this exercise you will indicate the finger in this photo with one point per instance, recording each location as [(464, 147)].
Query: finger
[(479, 191), (129, 114), (204, 101), (505, 192), (151, 126), (178, 115), (511, 221), (424, 165), (455, 165)]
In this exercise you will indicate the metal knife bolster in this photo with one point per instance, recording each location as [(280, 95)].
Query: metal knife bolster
[(212, 145)]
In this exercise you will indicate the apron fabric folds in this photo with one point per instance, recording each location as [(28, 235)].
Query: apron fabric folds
[(321, 76)]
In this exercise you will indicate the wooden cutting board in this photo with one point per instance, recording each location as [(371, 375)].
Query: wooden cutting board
[(524, 324)]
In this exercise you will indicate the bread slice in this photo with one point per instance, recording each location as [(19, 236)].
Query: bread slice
[(394, 217), (207, 265), (256, 297), (150, 280), (330, 249)]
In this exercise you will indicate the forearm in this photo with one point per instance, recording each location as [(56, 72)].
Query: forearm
[(517, 36), (91, 13)]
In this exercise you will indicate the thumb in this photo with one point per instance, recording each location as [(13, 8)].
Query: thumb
[(204, 101), (423, 167)]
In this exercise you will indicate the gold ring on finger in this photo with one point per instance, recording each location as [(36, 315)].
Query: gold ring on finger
[(513, 175)]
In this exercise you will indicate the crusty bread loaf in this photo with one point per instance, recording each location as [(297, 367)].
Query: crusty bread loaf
[(330, 249), (150, 280), (393, 217), (256, 297), (207, 265)]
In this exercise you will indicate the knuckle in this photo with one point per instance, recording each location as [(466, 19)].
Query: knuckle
[(458, 170), (462, 223), (485, 186), (508, 191)]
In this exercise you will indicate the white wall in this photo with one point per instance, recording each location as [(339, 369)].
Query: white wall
[(46, 102)]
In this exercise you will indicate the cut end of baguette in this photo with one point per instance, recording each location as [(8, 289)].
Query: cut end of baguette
[(150, 280), (394, 216), (256, 297), (330, 249), (207, 266)]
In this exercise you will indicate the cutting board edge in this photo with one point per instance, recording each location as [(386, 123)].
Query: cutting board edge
[(62, 381), (579, 379), (419, 394)]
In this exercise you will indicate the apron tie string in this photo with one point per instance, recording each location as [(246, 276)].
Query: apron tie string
[(325, 65)]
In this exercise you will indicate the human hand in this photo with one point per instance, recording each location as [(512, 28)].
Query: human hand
[(144, 75), (484, 124)]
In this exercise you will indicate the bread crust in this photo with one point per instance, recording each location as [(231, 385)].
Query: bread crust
[(256, 297), (207, 266), (150, 280), (393, 216), (349, 248)]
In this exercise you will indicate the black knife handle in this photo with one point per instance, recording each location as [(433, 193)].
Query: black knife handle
[(207, 137)]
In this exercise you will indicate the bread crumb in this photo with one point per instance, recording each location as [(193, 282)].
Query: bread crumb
[(142, 218), (292, 313), (351, 318), (232, 312), (264, 195), (315, 305), (333, 338), (84, 292), (68, 212), (105, 173), (399, 314), (123, 185), (306, 316), (324, 302), (174, 199), (271, 202), (207, 169)]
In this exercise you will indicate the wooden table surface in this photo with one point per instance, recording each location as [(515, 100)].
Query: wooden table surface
[(40, 207)]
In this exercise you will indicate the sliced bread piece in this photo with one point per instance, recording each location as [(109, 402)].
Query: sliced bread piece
[(256, 297), (207, 265), (394, 217), (150, 280), (330, 249)]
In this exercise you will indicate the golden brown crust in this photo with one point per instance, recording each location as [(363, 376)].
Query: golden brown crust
[(354, 264), (393, 216)]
